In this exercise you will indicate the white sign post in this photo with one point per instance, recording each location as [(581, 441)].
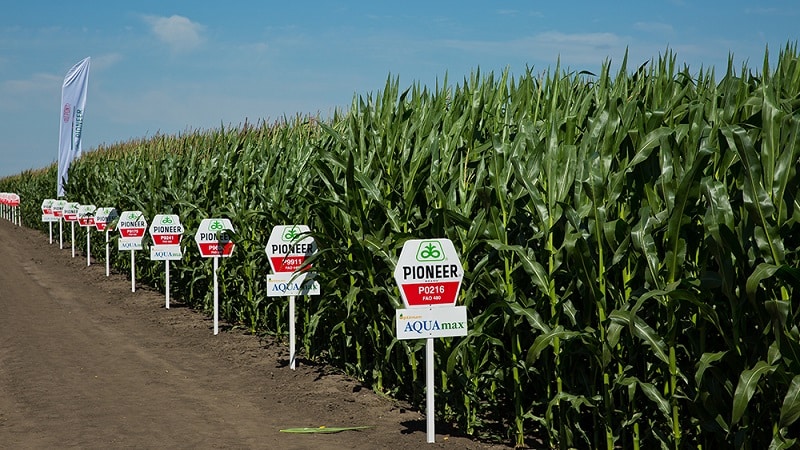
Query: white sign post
[(58, 213), (103, 219), (47, 215), (166, 232), (13, 201), (429, 275), (214, 241), (132, 226), (71, 216), (86, 220), (287, 248)]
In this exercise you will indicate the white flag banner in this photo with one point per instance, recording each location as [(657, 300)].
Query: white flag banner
[(73, 104)]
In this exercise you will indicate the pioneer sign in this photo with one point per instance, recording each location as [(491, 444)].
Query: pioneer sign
[(47, 211), (213, 239), (71, 212), (166, 232), (132, 226), (85, 215), (429, 273), (103, 217), (288, 247)]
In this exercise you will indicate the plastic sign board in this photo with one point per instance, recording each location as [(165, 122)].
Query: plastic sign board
[(9, 199), (71, 212), (436, 322), (132, 226), (104, 216), (47, 211), (166, 232), (213, 239), (429, 273), (58, 208), (166, 229), (288, 284), (86, 215), (287, 250)]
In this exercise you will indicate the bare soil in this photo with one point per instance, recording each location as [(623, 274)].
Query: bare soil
[(86, 363)]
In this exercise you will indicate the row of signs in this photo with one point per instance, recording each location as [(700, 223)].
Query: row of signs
[(428, 271), (9, 199), (9, 205), (287, 248)]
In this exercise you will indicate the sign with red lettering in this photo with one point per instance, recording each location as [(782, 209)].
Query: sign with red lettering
[(288, 247), (103, 216), (71, 212), (213, 239), (429, 273), (86, 215)]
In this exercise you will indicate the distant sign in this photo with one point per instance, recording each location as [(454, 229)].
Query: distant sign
[(71, 212), (103, 217), (86, 215), (47, 211), (58, 208)]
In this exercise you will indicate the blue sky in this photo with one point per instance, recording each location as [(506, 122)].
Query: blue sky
[(174, 66)]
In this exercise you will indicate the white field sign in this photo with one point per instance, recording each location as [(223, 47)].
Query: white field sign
[(86, 220), (103, 219), (58, 212), (71, 216), (429, 274), (214, 241), (132, 226), (288, 247), (166, 232), (47, 215)]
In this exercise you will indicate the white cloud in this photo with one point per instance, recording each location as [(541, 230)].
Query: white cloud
[(178, 32)]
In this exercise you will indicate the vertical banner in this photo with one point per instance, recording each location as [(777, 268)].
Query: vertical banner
[(73, 104)]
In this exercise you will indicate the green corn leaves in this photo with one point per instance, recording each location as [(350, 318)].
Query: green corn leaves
[(630, 243)]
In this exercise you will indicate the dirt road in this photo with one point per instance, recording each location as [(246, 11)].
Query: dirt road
[(85, 363)]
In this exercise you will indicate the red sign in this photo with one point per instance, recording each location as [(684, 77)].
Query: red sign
[(210, 249), (132, 232), (166, 239), (86, 221), (429, 273)]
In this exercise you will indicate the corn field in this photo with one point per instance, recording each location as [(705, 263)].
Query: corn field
[(629, 239)]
